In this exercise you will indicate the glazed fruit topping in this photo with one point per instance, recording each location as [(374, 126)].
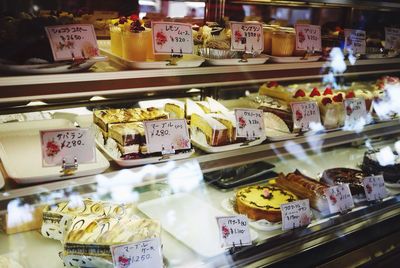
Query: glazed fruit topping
[(272, 84), (299, 93), (136, 27), (122, 20), (328, 91), (326, 100), (315, 92), (350, 95), (338, 98)]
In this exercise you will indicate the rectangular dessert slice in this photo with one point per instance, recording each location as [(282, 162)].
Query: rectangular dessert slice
[(215, 106), (205, 106), (229, 121), (191, 108), (127, 134), (175, 109), (215, 132)]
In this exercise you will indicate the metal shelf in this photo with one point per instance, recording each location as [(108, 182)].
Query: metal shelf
[(139, 82)]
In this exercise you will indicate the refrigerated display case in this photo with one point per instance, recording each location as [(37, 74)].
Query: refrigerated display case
[(180, 194)]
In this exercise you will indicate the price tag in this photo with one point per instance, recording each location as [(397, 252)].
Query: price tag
[(355, 40), (374, 187), (296, 214), (167, 136), (339, 198), (67, 144), (74, 41), (392, 38), (308, 37), (234, 231), (247, 36), (143, 254), (249, 123), (304, 113), (172, 38), (355, 110)]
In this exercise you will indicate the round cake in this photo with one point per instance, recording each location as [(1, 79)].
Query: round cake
[(353, 177), (262, 202)]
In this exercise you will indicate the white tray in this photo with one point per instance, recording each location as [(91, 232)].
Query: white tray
[(144, 161), (261, 59), (293, 59), (48, 68), (199, 140), (190, 220), (187, 61), (20, 152)]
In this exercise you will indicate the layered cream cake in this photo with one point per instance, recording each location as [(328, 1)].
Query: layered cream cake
[(127, 134), (215, 132), (262, 202)]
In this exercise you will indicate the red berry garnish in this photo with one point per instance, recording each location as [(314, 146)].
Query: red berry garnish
[(350, 95), (134, 17), (315, 92), (328, 91), (338, 98), (326, 100), (299, 93), (272, 84)]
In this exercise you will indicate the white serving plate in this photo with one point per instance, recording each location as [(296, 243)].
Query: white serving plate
[(143, 161), (293, 59), (20, 152), (187, 61), (199, 140), (49, 68), (190, 220), (261, 59), (381, 56)]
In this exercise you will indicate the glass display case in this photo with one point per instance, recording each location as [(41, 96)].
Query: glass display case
[(55, 219)]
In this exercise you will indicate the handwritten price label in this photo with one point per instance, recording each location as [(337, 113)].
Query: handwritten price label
[(392, 38), (355, 110), (308, 37), (67, 144), (355, 40), (75, 41), (339, 198), (247, 37), (172, 38), (374, 187), (249, 123), (304, 113), (166, 136), (234, 231), (296, 214), (143, 254)]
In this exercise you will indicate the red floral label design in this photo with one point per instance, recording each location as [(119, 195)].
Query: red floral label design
[(369, 188), (349, 110), (161, 38), (333, 199), (123, 261), (299, 115), (52, 148), (225, 231), (302, 37), (238, 36), (242, 122)]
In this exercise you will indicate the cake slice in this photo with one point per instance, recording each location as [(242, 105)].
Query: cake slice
[(205, 106), (215, 132), (229, 121), (175, 109), (127, 134), (215, 106), (192, 107)]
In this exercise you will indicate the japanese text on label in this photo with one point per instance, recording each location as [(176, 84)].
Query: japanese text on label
[(295, 214), (392, 38), (249, 123), (166, 136), (355, 110), (304, 113), (67, 144), (247, 37), (142, 254), (355, 40), (172, 38), (75, 41), (339, 198), (234, 231), (374, 187), (308, 37)]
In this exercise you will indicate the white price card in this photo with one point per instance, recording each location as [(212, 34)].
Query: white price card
[(392, 38), (74, 41), (355, 40), (172, 38), (374, 187), (67, 144), (234, 231), (247, 37), (308, 37), (355, 110), (167, 136), (304, 113), (249, 123), (142, 254), (339, 198), (296, 214)]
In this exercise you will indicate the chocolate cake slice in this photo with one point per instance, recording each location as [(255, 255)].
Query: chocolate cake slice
[(353, 177)]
